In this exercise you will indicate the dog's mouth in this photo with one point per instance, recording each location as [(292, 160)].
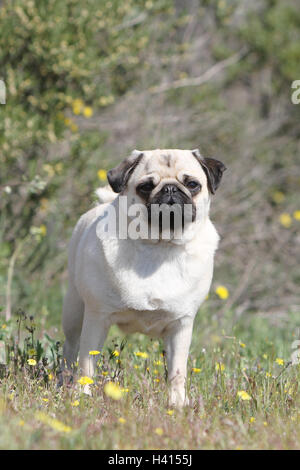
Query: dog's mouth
[(170, 209)]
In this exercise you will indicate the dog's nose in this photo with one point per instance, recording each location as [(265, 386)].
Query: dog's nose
[(170, 189), (169, 192)]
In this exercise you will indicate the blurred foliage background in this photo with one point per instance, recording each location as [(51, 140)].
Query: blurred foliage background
[(87, 82)]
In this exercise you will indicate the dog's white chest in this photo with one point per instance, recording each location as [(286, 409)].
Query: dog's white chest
[(151, 277)]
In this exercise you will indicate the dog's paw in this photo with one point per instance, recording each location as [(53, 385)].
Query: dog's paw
[(178, 399)]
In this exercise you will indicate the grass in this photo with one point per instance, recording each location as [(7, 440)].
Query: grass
[(252, 357)]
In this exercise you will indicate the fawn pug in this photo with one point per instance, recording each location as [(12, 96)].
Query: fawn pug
[(151, 284)]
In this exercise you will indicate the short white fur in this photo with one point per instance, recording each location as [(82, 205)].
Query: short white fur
[(153, 288)]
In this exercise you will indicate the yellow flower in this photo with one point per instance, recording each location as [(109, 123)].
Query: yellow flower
[(50, 376), (222, 292), (265, 423), (285, 219), (49, 170), (31, 362), (144, 355), (196, 370), (242, 344), (124, 390), (105, 100), (268, 374), (87, 111), (244, 395), (3, 326), (73, 127), (159, 431), (136, 366), (58, 167), (296, 215), (31, 352), (122, 420), (113, 390), (67, 121), (77, 106), (21, 422), (53, 422), (43, 230), (105, 373), (94, 353), (157, 380), (85, 380), (158, 363), (44, 204), (102, 174), (116, 353), (45, 399), (75, 403), (265, 356), (170, 412), (220, 366), (279, 361), (278, 197), (252, 420)]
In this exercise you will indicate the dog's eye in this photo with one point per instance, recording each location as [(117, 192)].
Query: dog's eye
[(193, 185), (146, 187)]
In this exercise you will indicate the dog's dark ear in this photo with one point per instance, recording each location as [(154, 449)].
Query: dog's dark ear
[(119, 176), (213, 169)]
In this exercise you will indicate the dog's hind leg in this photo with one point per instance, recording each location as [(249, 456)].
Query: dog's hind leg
[(73, 309), (93, 335)]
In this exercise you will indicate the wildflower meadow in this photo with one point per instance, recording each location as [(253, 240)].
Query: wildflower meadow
[(242, 388)]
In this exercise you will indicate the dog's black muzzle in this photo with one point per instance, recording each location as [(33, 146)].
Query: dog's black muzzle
[(171, 207)]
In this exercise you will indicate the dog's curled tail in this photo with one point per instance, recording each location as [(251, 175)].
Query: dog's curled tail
[(105, 194)]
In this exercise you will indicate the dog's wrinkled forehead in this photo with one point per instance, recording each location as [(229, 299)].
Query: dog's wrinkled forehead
[(169, 163)]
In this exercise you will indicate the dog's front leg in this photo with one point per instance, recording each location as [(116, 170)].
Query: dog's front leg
[(177, 343), (93, 335)]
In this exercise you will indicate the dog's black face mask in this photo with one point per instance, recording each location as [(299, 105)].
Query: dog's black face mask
[(171, 208)]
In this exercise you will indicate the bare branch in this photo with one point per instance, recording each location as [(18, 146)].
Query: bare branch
[(205, 77), (130, 23)]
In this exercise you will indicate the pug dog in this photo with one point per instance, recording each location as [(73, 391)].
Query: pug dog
[(143, 283)]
